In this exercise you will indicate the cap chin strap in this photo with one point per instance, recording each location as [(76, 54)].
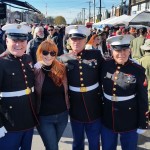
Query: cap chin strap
[(77, 35)]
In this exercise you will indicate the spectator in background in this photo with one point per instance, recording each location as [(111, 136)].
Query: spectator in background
[(148, 34), (136, 43), (33, 44), (2, 49), (1, 35), (54, 36), (145, 62), (118, 32), (95, 43), (133, 31), (104, 46)]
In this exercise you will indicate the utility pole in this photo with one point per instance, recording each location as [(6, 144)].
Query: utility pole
[(94, 11), (89, 10), (100, 7), (83, 15), (129, 8), (46, 13)]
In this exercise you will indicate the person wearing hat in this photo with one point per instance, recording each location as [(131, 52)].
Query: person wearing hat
[(83, 74), (144, 61), (17, 103), (125, 101), (136, 43)]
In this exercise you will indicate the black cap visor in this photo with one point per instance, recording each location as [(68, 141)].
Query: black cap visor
[(17, 36), (77, 35), (120, 47)]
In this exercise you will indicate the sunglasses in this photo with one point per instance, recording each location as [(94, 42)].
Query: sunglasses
[(52, 53), (50, 29)]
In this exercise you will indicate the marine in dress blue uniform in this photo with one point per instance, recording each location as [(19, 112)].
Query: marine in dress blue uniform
[(17, 103), (125, 100), (83, 75)]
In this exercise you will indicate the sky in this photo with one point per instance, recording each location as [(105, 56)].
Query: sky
[(70, 9)]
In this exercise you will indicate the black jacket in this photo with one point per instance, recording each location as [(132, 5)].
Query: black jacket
[(17, 113), (122, 81), (58, 40), (84, 72), (32, 48)]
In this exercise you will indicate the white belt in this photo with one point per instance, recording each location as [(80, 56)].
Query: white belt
[(118, 98), (84, 89), (27, 91)]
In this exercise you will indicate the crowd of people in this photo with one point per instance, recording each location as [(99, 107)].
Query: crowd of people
[(98, 78)]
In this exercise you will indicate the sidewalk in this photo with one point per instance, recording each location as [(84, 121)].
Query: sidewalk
[(66, 141)]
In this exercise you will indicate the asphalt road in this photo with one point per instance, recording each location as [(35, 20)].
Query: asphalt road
[(66, 141)]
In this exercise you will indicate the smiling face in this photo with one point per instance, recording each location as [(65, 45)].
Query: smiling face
[(48, 57), (77, 44), (16, 47), (47, 52), (121, 56)]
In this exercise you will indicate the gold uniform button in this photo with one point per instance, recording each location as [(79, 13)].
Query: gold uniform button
[(117, 72), (80, 62), (116, 78), (24, 70), (81, 73), (114, 94), (114, 89), (115, 83), (13, 74), (10, 107), (25, 76), (79, 57), (81, 79), (118, 67), (129, 108), (82, 84), (20, 59), (26, 82), (22, 64), (80, 67)]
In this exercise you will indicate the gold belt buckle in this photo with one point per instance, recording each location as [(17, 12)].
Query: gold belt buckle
[(28, 91), (83, 89), (114, 98)]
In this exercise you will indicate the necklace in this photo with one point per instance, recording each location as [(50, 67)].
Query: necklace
[(45, 69)]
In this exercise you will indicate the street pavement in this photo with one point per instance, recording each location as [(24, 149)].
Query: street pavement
[(66, 141)]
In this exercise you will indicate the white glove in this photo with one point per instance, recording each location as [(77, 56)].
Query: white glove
[(140, 131), (38, 65), (2, 132), (65, 57)]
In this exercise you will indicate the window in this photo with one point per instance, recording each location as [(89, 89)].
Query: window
[(147, 5), (139, 7)]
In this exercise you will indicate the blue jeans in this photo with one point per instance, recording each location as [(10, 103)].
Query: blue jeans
[(51, 129), (20, 140), (110, 139), (92, 131)]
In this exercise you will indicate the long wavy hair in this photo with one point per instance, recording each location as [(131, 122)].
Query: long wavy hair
[(57, 71), (91, 41)]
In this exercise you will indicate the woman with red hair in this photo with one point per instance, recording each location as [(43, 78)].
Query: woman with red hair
[(52, 98), (95, 43)]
